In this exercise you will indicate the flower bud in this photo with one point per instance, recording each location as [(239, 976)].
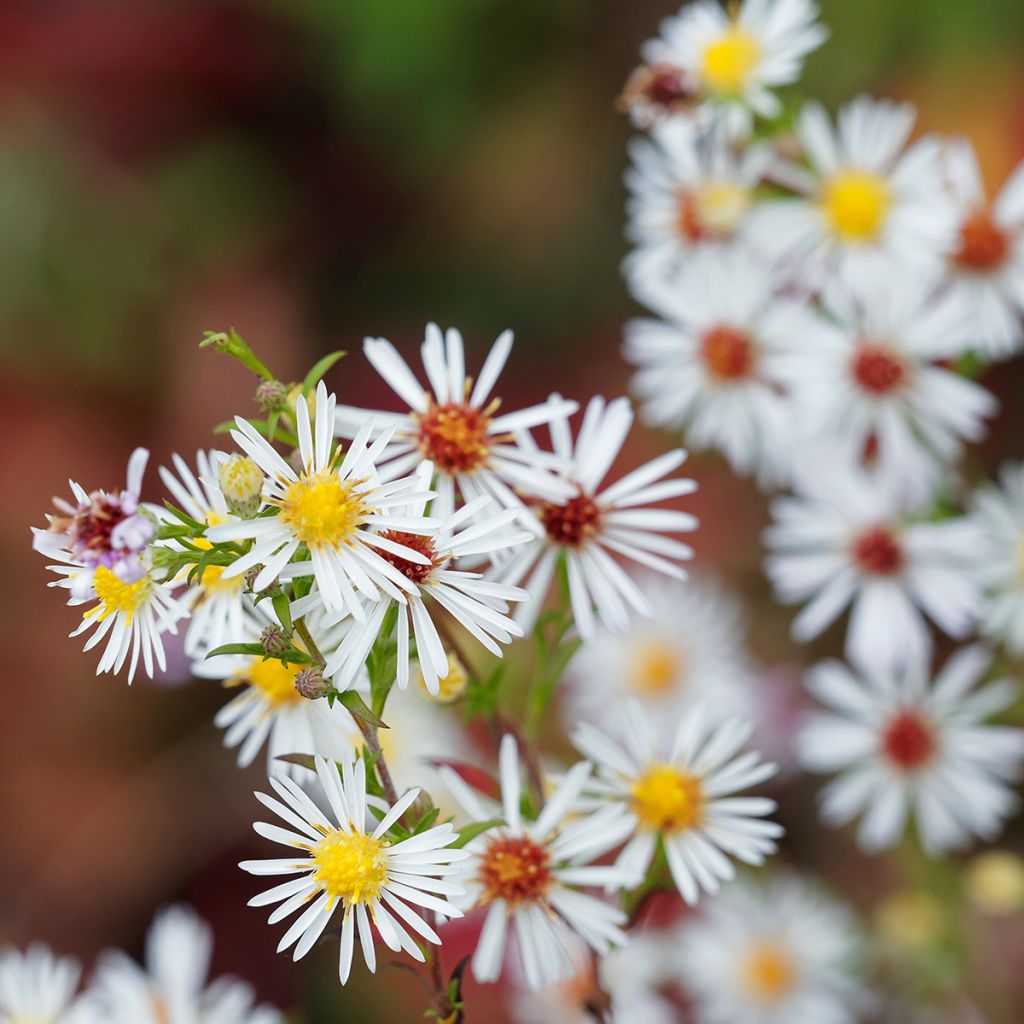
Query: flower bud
[(452, 687), (271, 396), (241, 482), (274, 640), (995, 883), (311, 684)]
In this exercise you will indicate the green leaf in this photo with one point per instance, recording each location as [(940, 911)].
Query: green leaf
[(304, 760), (236, 649), (470, 832), (355, 705), (320, 367), (483, 695), (283, 608), (196, 526), (231, 343)]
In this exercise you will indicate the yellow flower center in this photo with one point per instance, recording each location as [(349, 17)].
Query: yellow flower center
[(856, 204), (668, 800), (117, 596), (241, 479), (768, 973), (729, 61), (322, 510), (275, 681), (450, 688), (721, 206), (350, 866), (656, 667)]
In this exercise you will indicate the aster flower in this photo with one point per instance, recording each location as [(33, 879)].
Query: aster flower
[(682, 796), (873, 382), (527, 874), (871, 204), (440, 586), (775, 953), (690, 190), (172, 987), (841, 544), (220, 611), (738, 55), (998, 514), (587, 526), (340, 861), (454, 424), (986, 265), (100, 529), (37, 987), (692, 648), (903, 745), (337, 513), (708, 366)]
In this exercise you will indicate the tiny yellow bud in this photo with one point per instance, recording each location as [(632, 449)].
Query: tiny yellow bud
[(451, 688), (909, 921), (995, 883), (241, 482)]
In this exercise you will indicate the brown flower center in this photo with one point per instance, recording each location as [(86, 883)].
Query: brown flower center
[(879, 369), (573, 523), (878, 552), (982, 246), (515, 869), (454, 436), (908, 741), (412, 571), (728, 354)]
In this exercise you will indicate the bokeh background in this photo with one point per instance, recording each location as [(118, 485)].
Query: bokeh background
[(310, 172)]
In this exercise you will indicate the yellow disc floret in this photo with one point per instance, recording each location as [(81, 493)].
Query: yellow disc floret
[(667, 799), (721, 206), (322, 510), (656, 666), (452, 687), (856, 204), (117, 596), (768, 973), (274, 680), (350, 866), (729, 61)]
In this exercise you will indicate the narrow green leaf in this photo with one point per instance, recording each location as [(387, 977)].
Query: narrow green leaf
[(470, 832), (357, 707), (320, 367)]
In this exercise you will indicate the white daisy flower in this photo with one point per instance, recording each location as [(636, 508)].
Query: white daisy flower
[(707, 367), (594, 521), (998, 513), (221, 613), (873, 382), (37, 987), (739, 54), (872, 205), (340, 863), (172, 986), (692, 648), (336, 513), (526, 874), (624, 984), (902, 745), (681, 796), (773, 954), (454, 424), (477, 529), (986, 266), (845, 545), (100, 529), (690, 190)]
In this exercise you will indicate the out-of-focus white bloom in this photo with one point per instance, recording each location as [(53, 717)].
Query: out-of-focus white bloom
[(682, 796), (526, 874), (998, 513), (172, 987), (442, 586), (776, 953), (690, 191), (690, 649), (338, 513), (872, 383), (872, 205), (454, 425), (842, 544), (37, 987), (986, 266), (627, 980), (341, 860), (708, 367), (903, 745), (594, 521), (220, 611), (738, 55), (101, 529)]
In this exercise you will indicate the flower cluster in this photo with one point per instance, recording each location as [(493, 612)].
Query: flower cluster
[(824, 295)]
